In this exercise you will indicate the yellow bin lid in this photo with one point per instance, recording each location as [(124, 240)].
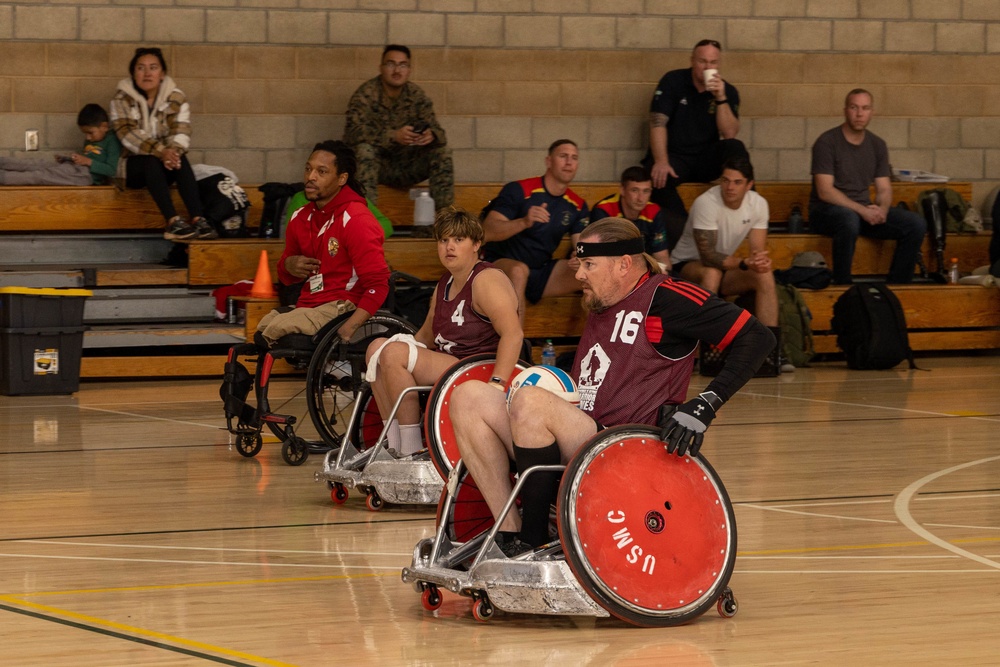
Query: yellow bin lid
[(46, 291)]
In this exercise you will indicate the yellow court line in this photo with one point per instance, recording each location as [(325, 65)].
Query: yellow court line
[(856, 547), (142, 632), (210, 584)]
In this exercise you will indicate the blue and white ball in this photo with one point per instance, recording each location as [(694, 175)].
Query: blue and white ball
[(553, 379)]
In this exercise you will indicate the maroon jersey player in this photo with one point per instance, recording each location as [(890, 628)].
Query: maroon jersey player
[(473, 311), (633, 364)]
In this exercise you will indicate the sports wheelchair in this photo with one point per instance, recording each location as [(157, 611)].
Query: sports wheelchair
[(365, 463), (334, 381), (643, 535)]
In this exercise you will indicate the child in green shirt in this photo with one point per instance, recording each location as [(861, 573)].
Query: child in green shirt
[(95, 166)]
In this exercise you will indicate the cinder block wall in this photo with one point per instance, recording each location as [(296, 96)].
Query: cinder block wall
[(268, 78)]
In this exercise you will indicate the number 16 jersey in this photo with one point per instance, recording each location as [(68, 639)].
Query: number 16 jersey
[(639, 353)]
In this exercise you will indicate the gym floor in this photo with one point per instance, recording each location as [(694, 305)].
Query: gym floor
[(133, 533)]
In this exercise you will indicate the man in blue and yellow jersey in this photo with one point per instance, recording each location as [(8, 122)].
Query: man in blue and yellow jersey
[(527, 221), (632, 203)]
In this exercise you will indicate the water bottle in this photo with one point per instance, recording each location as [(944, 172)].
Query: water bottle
[(423, 209), (549, 354), (796, 223), (953, 274)]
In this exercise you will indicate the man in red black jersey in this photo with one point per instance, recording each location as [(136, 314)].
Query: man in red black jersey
[(526, 222), (632, 203), (633, 365), (333, 244)]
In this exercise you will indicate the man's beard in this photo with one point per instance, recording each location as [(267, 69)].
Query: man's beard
[(593, 304)]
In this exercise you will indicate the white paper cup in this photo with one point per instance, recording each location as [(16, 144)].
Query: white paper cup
[(709, 73)]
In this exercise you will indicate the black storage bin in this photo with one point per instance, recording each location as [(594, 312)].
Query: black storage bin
[(32, 308), (41, 340), (40, 361)]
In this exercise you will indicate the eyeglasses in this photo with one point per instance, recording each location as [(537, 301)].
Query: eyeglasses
[(389, 64), (708, 42)]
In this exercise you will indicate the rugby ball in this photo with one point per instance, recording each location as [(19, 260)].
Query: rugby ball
[(550, 378)]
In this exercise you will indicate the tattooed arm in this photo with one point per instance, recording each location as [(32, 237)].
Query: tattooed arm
[(706, 239)]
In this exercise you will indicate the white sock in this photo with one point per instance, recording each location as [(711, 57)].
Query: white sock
[(411, 440), (393, 434)]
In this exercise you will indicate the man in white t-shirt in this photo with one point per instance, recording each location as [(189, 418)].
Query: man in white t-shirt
[(719, 221)]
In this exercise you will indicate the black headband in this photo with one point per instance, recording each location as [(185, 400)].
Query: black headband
[(610, 249)]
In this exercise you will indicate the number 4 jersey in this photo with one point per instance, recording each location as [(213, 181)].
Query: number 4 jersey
[(458, 329), (639, 353)]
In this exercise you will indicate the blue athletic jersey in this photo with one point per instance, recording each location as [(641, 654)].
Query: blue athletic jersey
[(650, 221), (534, 246)]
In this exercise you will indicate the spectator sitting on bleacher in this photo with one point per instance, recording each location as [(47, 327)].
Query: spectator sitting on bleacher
[(632, 203), (335, 245), (151, 117), (845, 162), (526, 222), (95, 166), (395, 135), (721, 217), (473, 311)]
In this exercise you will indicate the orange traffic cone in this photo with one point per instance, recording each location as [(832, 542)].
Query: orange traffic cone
[(262, 286)]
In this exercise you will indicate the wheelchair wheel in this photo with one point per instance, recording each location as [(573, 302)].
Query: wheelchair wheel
[(369, 425), (658, 550), (437, 423), (469, 515), (249, 444), (295, 451), (334, 379)]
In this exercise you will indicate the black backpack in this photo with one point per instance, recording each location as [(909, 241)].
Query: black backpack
[(225, 205), (871, 328)]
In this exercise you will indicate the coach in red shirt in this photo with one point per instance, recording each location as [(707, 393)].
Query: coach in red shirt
[(335, 245)]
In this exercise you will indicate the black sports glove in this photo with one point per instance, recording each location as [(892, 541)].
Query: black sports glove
[(684, 426)]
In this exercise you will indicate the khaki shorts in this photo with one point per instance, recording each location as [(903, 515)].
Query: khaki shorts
[(305, 321)]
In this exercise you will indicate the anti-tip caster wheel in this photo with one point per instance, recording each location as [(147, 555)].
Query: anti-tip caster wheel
[(374, 501), (339, 493), (295, 452), (482, 610), (431, 598), (727, 604), (249, 444)]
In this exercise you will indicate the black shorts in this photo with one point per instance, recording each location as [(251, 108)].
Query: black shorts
[(537, 279)]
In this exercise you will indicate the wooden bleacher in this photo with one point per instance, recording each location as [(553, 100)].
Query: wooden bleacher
[(106, 208), (940, 317)]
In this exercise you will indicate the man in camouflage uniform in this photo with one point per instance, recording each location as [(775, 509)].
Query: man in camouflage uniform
[(395, 135)]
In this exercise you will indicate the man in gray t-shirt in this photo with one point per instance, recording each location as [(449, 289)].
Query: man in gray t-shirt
[(845, 162)]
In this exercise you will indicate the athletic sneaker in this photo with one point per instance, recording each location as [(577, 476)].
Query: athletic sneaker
[(179, 229), (511, 545), (205, 230)]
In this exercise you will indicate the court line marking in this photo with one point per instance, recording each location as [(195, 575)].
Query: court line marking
[(195, 562), (220, 549), (966, 571), (817, 514), (148, 417), (901, 507), (122, 631), (866, 406), (208, 584), (952, 495)]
